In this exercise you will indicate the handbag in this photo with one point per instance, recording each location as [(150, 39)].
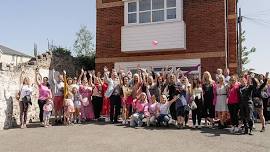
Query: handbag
[(193, 105), (258, 103)]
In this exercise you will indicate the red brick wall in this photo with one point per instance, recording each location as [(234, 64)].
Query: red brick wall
[(205, 31)]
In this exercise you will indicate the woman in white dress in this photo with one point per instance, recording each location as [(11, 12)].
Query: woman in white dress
[(221, 103)]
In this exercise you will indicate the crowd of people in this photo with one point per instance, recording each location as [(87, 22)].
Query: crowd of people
[(151, 98)]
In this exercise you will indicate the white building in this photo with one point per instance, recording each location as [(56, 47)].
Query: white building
[(11, 57)]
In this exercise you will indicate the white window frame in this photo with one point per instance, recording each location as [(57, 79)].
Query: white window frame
[(178, 7), (133, 12)]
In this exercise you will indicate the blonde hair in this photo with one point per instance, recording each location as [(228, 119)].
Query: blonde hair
[(221, 77), (205, 74)]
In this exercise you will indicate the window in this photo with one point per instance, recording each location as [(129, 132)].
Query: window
[(150, 11), (145, 11), (132, 12), (171, 9)]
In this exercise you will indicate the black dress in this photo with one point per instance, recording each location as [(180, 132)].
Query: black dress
[(208, 95)]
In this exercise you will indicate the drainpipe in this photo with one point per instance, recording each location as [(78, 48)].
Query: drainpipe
[(226, 4)]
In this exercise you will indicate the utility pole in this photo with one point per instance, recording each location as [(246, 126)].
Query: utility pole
[(35, 49), (240, 66)]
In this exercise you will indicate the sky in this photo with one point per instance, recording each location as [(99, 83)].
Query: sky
[(23, 23)]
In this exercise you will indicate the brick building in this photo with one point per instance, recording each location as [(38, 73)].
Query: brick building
[(196, 35)]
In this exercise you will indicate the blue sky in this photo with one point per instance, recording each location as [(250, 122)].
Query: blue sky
[(26, 22)]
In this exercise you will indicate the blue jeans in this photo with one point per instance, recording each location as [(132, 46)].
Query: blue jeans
[(136, 119), (163, 118)]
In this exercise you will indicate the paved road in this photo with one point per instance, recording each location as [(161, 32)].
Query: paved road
[(112, 138)]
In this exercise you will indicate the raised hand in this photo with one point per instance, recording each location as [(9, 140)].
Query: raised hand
[(65, 73), (105, 69)]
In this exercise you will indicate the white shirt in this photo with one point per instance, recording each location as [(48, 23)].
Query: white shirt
[(164, 108), (26, 90)]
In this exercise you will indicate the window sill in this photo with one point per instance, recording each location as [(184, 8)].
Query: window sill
[(153, 23)]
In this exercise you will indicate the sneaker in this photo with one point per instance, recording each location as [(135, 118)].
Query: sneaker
[(199, 127), (124, 122), (193, 127)]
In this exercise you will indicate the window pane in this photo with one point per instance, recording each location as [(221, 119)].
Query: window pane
[(157, 4), (171, 13), (171, 3), (132, 7), (145, 5), (158, 16), (145, 17), (132, 18)]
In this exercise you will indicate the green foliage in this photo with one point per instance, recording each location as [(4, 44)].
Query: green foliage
[(61, 51), (86, 62), (246, 52), (83, 45)]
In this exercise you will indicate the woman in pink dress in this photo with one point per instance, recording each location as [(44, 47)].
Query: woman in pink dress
[(85, 91)]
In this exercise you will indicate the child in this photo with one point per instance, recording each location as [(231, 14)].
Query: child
[(141, 107), (77, 99), (68, 109), (47, 111)]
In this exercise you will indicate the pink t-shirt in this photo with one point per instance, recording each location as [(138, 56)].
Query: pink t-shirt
[(233, 96), (153, 108), (141, 106), (44, 92)]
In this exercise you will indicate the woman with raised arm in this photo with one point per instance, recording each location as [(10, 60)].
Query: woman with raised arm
[(233, 102), (127, 99), (58, 97), (97, 98), (208, 86), (113, 92), (85, 91), (257, 98), (163, 111), (44, 93), (24, 98)]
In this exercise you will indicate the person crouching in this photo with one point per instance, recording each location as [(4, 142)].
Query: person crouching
[(141, 107)]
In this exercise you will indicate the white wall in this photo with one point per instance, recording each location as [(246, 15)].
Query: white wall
[(159, 64), (8, 59), (170, 35)]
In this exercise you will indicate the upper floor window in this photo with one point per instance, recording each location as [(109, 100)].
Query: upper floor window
[(149, 11)]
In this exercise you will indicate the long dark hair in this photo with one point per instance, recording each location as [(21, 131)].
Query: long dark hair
[(196, 83)]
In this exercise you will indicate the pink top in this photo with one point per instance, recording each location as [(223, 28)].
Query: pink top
[(140, 106), (44, 92), (233, 96), (85, 91), (152, 108), (48, 107), (215, 93)]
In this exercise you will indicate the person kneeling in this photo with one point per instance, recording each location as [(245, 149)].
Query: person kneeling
[(163, 111), (141, 107)]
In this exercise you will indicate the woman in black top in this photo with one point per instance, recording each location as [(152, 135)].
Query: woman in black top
[(257, 98), (208, 96)]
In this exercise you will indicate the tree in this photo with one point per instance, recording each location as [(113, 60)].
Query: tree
[(59, 51), (83, 45), (245, 53)]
